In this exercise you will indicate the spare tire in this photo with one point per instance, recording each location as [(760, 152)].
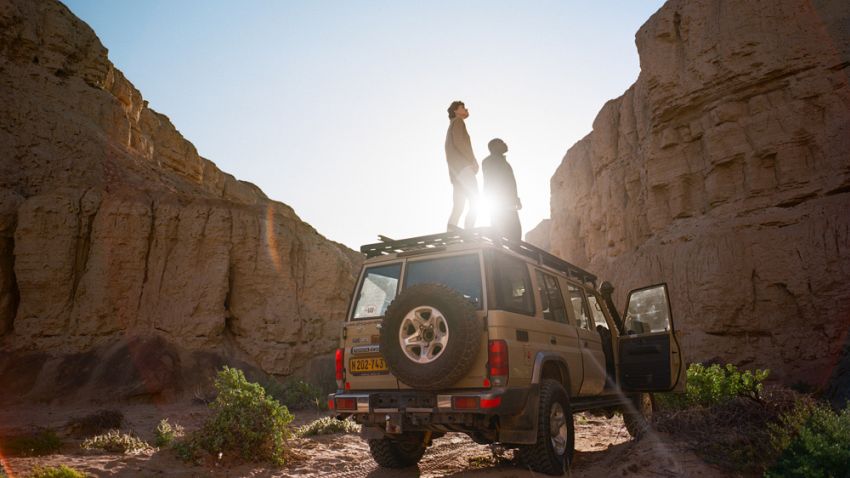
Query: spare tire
[(430, 336)]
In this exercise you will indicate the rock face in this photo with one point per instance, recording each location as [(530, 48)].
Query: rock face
[(115, 232), (725, 172)]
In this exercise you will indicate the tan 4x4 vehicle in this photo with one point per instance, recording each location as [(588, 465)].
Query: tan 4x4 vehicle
[(499, 340)]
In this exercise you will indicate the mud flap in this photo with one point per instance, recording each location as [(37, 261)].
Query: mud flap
[(521, 429)]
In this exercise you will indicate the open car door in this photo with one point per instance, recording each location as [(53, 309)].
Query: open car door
[(650, 356)]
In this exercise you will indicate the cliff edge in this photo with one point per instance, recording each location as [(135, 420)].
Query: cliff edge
[(725, 172), (129, 263)]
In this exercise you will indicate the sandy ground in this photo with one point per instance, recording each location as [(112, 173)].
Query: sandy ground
[(603, 449)]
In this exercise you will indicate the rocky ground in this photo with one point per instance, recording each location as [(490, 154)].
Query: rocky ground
[(603, 449)]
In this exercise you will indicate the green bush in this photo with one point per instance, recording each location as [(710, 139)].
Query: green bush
[(61, 471), (165, 433), (43, 441), (246, 423), (116, 442), (327, 426), (714, 384), (812, 441), (297, 395)]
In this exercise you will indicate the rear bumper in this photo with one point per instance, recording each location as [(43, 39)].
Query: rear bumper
[(498, 401), (508, 415)]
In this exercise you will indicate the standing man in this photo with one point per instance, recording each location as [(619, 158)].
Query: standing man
[(462, 167), (500, 190)]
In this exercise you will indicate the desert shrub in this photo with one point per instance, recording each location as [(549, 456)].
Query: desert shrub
[(297, 394), (96, 423), (116, 442), (327, 426), (247, 423), (60, 471), (714, 384), (165, 433), (42, 441), (812, 441), (732, 434)]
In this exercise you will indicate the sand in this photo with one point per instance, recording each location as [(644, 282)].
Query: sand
[(603, 449)]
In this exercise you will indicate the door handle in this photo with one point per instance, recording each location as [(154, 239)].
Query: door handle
[(553, 340)]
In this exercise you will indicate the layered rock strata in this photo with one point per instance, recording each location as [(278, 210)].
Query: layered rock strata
[(725, 172), (114, 230)]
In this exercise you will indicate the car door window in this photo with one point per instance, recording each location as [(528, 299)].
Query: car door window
[(377, 290), (461, 273), (596, 311), (551, 298), (579, 307)]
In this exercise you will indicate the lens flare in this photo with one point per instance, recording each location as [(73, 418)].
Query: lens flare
[(271, 238)]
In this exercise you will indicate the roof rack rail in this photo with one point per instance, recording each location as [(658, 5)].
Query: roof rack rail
[(485, 235)]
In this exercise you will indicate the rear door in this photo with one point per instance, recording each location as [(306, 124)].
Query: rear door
[(555, 332), (650, 356), (364, 365)]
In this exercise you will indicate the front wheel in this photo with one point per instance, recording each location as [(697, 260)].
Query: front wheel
[(553, 452), (405, 451), (637, 416)]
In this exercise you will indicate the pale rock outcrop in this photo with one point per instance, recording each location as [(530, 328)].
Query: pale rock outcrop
[(725, 172), (116, 233)]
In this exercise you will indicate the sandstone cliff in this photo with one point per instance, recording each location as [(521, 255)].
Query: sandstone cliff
[(725, 172), (123, 249)]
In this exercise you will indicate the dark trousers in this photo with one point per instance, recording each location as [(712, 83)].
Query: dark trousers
[(506, 222)]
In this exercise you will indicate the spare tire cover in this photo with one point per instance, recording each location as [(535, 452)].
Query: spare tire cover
[(430, 336)]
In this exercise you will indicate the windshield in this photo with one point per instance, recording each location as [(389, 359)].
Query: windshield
[(378, 290), (461, 273)]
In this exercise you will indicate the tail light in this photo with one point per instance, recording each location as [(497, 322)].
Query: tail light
[(497, 360), (340, 368), (465, 403), (346, 404)]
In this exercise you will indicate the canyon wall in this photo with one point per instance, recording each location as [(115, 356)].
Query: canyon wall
[(725, 172), (122, 249)]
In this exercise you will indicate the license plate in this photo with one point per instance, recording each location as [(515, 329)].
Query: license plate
[(359, 366)]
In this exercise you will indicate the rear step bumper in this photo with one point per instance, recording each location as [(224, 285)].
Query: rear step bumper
[(496, 401), (502, 414)]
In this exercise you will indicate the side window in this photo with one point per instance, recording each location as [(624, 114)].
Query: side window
[(580, 307), (544, 296), (513, 285), (596, 311), (551, 298)]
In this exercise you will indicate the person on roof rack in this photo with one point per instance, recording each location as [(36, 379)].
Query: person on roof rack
[(462, 168), (500, 191)]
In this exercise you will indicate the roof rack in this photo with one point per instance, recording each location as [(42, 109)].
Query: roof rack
[(479, 235)]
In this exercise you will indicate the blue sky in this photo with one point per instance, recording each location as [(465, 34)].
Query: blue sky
[(339, 108)]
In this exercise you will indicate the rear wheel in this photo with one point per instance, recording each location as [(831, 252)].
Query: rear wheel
[(638, 416), (398, 453), (553, 452)]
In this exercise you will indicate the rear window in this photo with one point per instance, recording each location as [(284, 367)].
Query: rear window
[(461, 273), (378, 290)]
